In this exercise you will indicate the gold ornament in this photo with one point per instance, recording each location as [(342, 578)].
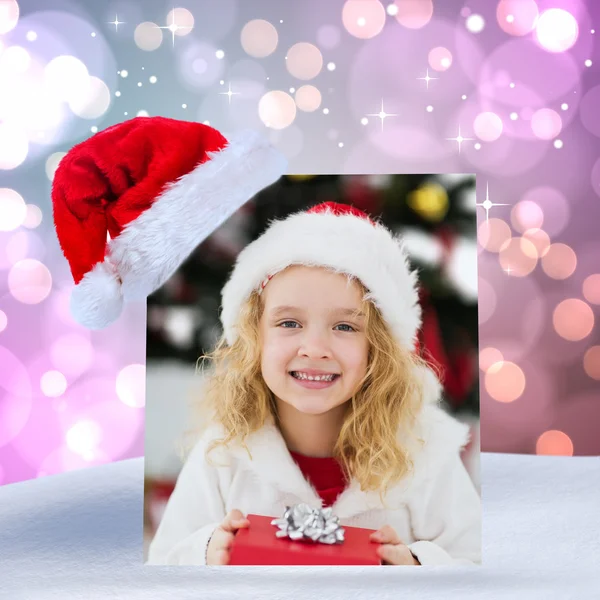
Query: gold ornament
[(430, 201), (299, 177)]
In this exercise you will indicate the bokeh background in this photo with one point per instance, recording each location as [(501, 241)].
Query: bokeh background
[(505, 89)]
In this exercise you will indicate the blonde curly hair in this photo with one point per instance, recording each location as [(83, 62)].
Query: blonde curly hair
[(379, 415)]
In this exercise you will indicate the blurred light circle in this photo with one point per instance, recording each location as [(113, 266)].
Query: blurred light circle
[(490, 357), (526, 215), (559, 262), (518, 256), (363, 19), (91, 101), (554, 443), (3, 321), (131, 385), (29, 281), (578, 416), (328, 36), (13, 209), (9, 15), (52, 163), (591, 288), (505, 381), (553, 205), (414, 14), (14, 146), (523, 13), (66, 76), (148, 36), (546, 123), (277, 109), (590, 118), (493, 234), (440, 58), (183, 19), (539, 238), (556, 30), (24, 244), (53, 384), (475, 23), (487, 126), (83, 437), (33, 218), (308, 98), (95, 399), (198, 65), (573, 319), (15, 396), (259, 38), (72, 353), (304, 61), (15, 59), (591, 362), (487, 301)]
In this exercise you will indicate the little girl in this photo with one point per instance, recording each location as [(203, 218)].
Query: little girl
[(318, 396)]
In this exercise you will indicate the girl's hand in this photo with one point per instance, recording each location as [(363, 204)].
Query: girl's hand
[(219, 547), (392, 550)]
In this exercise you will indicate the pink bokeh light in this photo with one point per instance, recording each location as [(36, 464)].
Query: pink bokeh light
[(328, 36), (414, 14), (363, 19), (95, 399), (15, 396), (554, 207), (72, 353), (517, 17), (30, 281), (556, 30), (487, 126), (546, 123), (440, 58)]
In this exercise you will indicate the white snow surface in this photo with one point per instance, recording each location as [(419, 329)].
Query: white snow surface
[(79, 535)]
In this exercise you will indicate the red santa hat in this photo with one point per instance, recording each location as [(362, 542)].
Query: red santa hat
[(157, 187), (345, 240)]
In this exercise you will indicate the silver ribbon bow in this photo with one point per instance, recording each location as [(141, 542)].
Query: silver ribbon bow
[(316, 524)]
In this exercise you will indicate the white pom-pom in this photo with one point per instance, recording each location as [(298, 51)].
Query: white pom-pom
[(97, 301)]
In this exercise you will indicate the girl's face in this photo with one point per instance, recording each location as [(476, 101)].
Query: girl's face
[(314, 351)]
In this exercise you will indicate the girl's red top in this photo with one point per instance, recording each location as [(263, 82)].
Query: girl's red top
[(325, 475)]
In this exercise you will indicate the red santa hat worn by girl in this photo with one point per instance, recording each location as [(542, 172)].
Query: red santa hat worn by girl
[(158, 187), (345, 240)]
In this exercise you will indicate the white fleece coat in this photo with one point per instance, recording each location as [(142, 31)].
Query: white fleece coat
[(436, 511)]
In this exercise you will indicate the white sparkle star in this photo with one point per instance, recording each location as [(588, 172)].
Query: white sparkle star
[(229, 93), (382, 115), (427, 79), (116, 23), (173, 27), (487, 203), (459, 138), (508, 270)]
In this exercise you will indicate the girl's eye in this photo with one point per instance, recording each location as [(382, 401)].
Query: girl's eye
[(350, 328), (288, 324)]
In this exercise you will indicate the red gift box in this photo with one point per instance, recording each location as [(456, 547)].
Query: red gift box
[(258, 545)]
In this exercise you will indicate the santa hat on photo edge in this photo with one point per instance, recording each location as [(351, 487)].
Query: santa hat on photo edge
[(345, 239), (158, 187)]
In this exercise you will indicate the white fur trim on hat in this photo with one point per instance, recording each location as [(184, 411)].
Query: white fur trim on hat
[(345, 243), (153, 246)]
